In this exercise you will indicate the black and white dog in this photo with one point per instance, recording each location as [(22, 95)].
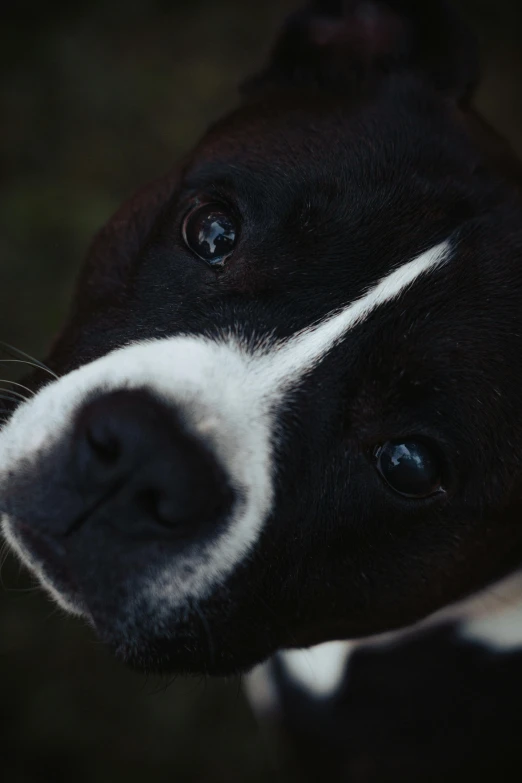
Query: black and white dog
[(288, 408)]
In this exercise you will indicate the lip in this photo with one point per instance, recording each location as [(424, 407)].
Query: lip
[(49, 553)]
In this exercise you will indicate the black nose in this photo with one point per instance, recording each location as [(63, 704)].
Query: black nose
[(133, 449)]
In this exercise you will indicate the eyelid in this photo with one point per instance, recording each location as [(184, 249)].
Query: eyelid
[(199, 196)]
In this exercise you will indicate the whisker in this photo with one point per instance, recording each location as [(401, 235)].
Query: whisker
[(24, 361), (54, 611), (4, 554), (34, 589), (208, 634), (12, 396), (17, 352), (20, 385)]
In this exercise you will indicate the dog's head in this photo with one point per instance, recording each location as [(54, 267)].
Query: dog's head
[(288, 407)]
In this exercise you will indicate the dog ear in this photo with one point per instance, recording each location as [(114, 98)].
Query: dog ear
[(107, 270), (118, 243), (331, 43)]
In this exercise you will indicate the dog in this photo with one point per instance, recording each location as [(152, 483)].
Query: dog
[(284, 412)]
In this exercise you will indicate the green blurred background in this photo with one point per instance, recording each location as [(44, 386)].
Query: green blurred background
[(96, 98)]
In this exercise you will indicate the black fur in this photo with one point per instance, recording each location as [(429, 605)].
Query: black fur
[(353, 151), (432, 709)]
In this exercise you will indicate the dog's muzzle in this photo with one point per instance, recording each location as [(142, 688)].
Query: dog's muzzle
[(132, 449)]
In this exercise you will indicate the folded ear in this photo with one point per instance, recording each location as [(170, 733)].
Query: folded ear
[(331, 42)]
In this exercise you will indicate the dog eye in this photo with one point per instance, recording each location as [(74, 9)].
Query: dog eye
[(411, 468), (210, 231)]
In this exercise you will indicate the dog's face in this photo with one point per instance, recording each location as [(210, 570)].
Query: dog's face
[(288, 404)]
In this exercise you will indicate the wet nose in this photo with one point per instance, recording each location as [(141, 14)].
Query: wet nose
[(132, 446)]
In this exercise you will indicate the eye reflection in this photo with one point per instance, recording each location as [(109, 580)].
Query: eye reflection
[(411, 468), (210, 231)]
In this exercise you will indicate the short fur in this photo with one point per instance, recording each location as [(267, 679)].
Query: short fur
[(354, 154)]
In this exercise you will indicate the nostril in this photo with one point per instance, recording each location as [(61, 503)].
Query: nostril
[(102, 448), (171, 507), (104, 442), (149, 503), (134, 450), (173, 510)]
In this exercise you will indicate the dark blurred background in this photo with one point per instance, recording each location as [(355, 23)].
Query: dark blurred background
[(97, 98)]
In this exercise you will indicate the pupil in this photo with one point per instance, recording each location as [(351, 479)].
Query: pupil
[(410, 468), (215, 235)]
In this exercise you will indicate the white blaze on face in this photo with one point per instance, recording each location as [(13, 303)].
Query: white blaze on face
[(225, 391)]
